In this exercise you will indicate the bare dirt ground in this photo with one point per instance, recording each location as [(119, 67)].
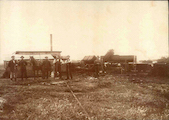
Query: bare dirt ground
[(119, 97)]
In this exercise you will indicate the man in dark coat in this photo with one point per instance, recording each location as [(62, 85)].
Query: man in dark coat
[(13, 68), (22, 65), (59, 68), (46, 68)]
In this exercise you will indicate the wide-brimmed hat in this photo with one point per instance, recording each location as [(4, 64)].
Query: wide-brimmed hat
[(22, 57)]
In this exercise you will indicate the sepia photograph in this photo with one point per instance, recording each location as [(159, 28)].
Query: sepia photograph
[(84, 60)]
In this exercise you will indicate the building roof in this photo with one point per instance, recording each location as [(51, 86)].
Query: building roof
[(17, 56), (89, 58), (37, 52), (118, 58)]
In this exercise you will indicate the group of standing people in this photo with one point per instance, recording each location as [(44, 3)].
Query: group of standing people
[(46, 68), (13, 64)]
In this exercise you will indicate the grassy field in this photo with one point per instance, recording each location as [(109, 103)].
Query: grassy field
[(118, 97)]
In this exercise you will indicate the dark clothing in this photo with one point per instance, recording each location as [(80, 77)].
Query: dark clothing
[(57, 66), (46, 68), (46, 65), (22, 65), (13, 69), (23, 73), (45, 74), (12, 65), (59, 69), (63, 70), (69, 70)]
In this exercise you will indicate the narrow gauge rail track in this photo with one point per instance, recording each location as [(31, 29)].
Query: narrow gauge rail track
[(77, 100)]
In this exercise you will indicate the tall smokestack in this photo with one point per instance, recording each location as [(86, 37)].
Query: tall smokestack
[(50, 42)]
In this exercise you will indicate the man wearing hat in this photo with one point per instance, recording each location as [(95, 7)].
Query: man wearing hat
[(46, 68), (13, 68), (22, 65)]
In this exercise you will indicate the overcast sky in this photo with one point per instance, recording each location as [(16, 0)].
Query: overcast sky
[(85, 28)]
